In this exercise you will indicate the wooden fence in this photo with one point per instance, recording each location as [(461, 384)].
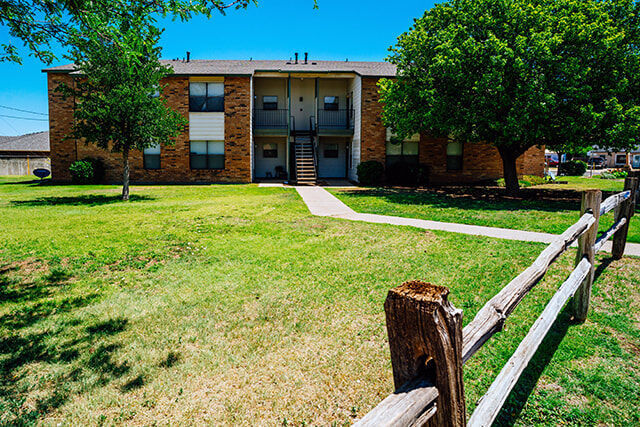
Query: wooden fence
[(429, 347)]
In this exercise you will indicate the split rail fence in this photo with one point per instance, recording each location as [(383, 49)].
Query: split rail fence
[(429, 347)]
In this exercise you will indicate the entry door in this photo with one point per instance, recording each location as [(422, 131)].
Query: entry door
[(302, 101), (332, 159)]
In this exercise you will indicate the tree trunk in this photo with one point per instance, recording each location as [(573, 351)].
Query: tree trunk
[(125, 174), (510, 171)]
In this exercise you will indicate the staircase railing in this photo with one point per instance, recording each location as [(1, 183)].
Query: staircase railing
[(293, 174), (314, 144)]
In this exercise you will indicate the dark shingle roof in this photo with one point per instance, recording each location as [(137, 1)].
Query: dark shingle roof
[(249, 67), (38, 141)]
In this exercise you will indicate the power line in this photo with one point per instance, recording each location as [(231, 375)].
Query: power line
[(24, 118), (23, 111)]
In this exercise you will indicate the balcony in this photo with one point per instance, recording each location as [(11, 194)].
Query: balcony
[(330, 121), (270, 119)]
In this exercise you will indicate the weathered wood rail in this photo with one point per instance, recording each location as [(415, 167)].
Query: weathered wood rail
[(429, 347)]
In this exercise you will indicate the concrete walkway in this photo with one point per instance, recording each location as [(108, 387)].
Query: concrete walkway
[(322, 203)]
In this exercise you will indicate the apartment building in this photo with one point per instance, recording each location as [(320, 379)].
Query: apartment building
[(299, 120)]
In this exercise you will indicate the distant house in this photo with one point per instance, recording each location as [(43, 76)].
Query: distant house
[(20, 155), (617, 159), (299, 120)]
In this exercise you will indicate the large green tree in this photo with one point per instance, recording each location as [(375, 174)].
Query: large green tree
[(519, 73), (38, 24), (118, 84)]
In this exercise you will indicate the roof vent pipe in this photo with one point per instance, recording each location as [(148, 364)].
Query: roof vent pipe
[(296, 57), (188, 56), (306, 56)]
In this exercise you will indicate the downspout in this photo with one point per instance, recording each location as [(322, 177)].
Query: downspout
[(288, 150)]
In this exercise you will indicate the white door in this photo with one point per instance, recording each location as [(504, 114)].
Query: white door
[(332, 159), (302, 101)]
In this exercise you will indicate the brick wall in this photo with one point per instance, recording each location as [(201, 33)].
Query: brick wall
[(480, 161), (174, 159), (63, 152), (372, 133)]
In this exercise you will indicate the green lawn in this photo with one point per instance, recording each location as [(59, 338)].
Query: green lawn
[(544, 212), (231, 304), (580, 183)]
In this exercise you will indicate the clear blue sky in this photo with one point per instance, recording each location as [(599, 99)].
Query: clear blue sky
[(339, 29)]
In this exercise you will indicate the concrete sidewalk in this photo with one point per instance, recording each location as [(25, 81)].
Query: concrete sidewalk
[(322, 203)]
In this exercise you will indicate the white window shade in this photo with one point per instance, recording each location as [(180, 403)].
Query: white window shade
[(410, 148), (454, 149), (215, 89), (413, 138), (216, 147), (394, 149), (198, 147), (198, 89), (152, 150)]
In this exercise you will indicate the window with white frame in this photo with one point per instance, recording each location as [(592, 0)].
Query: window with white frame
[(270, 102), (270, 151), (207, 154), (331, 103), (151, 157), (206, 97), (331, 151), (399, 151)]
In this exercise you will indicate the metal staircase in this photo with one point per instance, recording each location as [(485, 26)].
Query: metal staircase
[(305, 160), (305, 155)]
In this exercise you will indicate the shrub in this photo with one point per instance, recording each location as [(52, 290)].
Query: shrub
[(572, 168), (86, 171), (370, 172), (407, 174), (614, 174)]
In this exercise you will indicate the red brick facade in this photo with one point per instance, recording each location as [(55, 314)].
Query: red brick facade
[(479, 161), (63, 152), (174, 159), (372, 133)]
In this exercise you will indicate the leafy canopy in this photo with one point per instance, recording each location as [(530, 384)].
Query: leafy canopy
[(519, 73), (119, 74), (40, 23)]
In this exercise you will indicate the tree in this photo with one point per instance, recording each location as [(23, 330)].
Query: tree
[(119, 77), (519, 73), (39, 23)]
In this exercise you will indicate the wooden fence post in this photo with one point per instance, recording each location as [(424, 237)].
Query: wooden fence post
[(591, 200), (624, 210), (425, 338)]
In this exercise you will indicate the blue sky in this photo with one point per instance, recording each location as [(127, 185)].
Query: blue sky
[(339, 29)]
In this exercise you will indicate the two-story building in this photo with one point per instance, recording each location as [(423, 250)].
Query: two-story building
[(299, 120)]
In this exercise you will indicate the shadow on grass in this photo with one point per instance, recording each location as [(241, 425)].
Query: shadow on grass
[(84, 200), (527, 382), (520, 394), (44, 328), (477, 198)]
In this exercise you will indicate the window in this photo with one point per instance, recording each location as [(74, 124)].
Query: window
[(151, 157), (207, 154), (270, 151), (621, 159), (269, 102), (331, 151), (454, 156), (206, 97), (402, 152), (331, 103)]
